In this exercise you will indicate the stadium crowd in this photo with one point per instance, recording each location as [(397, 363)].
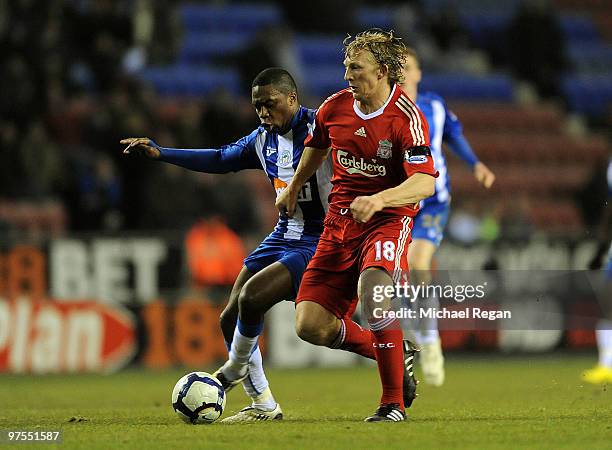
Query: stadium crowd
[(70, 73)]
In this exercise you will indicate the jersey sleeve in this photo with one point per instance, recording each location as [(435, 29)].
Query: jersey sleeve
[(415, 144), (419, 160), (318, 134), (233, 157), (453, 136)]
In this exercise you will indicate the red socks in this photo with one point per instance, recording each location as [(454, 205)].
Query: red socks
[(353, 338), (384, 344), (390, 359)]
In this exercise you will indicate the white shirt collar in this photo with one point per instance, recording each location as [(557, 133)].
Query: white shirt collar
[(376, 113)]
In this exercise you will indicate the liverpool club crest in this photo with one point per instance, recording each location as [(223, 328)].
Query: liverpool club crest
[(384, 149)]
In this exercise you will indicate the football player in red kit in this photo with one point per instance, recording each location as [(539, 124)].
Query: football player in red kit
[(382, 168)]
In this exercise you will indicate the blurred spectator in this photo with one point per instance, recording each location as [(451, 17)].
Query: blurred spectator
[(272, 46), (71, 90), (190, 123), (464, 224), (537, 48), (322, 16), (593, 198), (221, 122), (155, 35), (215, 254), (10, 179), (490, 227), (97, 200), (447, 29), (516, 223), (42, 164), (101, 31)]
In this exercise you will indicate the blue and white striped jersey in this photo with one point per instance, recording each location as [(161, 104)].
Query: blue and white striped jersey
[(279, 155), (443, 127)]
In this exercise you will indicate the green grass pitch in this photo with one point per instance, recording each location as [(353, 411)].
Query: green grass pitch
[(488, 402)]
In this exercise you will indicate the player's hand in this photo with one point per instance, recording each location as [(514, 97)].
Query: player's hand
[(141, 146), (363, 208), (484, 175), (286, 201)]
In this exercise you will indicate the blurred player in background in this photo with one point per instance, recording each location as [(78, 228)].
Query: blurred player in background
[(429, 223), (602, 372), (273, 271), (382, 169)]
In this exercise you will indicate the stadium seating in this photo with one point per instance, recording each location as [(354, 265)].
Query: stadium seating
[(197, 17), (494, 87), (325, 79), (588, 94), (316, 49), (192, 80), (590, 57), (507, 117), (199, 47), (525, 145), (381, 17), (531, 154), (578, 27)]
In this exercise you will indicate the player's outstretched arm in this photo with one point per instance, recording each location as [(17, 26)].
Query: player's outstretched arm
[(229, 158), (416, 188), (311, 160), (461, 147)]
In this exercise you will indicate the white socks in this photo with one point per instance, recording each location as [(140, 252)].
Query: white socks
[(245, 353), (604, 342)]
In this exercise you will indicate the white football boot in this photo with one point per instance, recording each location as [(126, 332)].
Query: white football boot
[(253, 414), (256, 412)]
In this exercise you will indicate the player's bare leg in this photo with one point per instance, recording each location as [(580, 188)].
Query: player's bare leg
[(420, 254), (229, 316), (388, 346), (318, 326), (228, 321), (315, 324), (263, 290), (256, 296)]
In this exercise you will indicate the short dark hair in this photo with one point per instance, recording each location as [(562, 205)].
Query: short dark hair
[(277, 77)]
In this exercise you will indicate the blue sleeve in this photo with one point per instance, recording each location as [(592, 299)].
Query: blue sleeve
[(230, 158), (453, 136)]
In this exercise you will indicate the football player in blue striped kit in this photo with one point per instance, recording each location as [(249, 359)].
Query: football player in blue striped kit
[(273, 271), (429, 224), (602, 372)]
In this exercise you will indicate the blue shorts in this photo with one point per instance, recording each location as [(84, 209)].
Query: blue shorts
[(293, 254), (430, 222)]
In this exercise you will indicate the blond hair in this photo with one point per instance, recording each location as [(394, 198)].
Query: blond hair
[(409, 51), (385, 47)]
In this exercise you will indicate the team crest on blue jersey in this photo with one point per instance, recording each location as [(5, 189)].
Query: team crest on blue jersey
[(284, 157), (384, 149)]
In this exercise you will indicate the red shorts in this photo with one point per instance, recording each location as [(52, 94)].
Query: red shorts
[(346, 249)]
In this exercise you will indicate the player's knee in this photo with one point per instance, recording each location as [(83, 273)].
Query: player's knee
[(304, 329), (311, 331), (248, 300)]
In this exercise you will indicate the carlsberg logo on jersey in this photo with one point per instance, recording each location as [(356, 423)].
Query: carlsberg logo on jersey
[(352, 165)]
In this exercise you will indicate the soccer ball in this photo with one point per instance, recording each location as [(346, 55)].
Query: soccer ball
[(198, 397)]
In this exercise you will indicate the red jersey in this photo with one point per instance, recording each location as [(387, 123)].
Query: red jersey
[(372, 152)]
